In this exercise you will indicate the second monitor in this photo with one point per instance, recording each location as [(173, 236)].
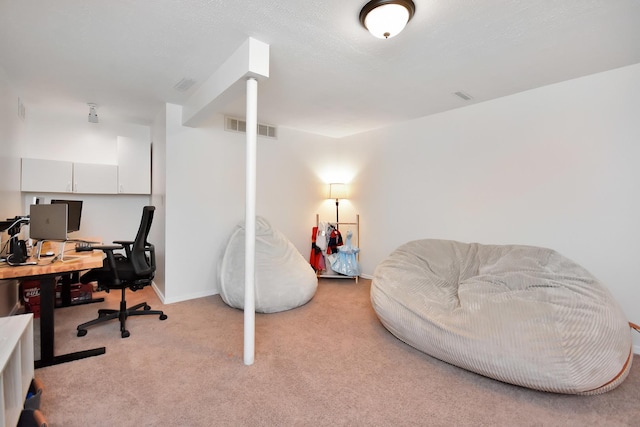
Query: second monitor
[(74, 212)]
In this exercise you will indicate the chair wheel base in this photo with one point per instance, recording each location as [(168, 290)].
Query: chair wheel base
[(163, 317), (125, 334), (82, 332)]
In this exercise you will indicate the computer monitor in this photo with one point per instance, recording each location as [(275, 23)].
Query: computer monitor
[(74, 213)]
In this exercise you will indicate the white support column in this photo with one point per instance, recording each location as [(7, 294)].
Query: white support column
[(250, 223), (249, 62)]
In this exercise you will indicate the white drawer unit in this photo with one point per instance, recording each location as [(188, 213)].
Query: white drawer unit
[(16, 359)]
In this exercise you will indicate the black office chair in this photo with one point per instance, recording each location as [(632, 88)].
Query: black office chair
[(134, 270)]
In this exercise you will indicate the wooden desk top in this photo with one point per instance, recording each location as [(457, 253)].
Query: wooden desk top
[(73, 261)]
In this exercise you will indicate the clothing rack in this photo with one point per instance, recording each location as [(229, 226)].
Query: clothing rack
[(328, 273)]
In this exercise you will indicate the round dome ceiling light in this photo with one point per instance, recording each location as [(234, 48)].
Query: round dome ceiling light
[(386, 18)]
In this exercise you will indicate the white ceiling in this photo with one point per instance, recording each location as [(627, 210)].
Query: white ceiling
[(327, 74)]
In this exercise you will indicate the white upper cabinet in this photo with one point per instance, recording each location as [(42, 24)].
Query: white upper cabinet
[(132, 174), (52, 176), (95, 179), (134, 166)]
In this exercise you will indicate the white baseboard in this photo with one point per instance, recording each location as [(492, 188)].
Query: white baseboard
[(182, 297), (157, 291)]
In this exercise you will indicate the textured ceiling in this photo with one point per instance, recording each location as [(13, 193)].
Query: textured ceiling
[(328, 75)]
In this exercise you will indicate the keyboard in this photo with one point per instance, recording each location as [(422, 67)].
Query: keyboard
[(83, 247)]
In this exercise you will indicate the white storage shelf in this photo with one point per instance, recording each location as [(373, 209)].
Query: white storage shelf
[(342, 226), (16, 359)]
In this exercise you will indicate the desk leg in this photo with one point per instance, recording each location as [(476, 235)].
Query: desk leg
[(47, 305), (47, 323)]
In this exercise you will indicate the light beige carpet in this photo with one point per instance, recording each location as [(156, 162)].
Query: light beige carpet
[(327, 363)]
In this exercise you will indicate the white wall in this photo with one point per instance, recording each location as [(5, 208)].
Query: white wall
[(205, 197), (157, 233), (11, 131), (62, 135), (65, 135), (554, 167)]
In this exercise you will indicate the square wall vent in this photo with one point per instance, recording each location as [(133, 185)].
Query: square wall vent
[(234, 124)]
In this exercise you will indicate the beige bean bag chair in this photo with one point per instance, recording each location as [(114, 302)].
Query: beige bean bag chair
[(519, 314), (284, 279)]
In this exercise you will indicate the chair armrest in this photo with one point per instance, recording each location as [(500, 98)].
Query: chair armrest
[(126, 244), (105, 248), (152, 255), (111, 259)]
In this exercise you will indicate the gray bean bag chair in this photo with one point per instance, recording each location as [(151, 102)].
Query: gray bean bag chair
[(284, 279), (519, 314)]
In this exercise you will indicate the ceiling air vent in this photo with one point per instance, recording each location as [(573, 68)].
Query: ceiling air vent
[(184, 84), (238, 125), (464, 96)]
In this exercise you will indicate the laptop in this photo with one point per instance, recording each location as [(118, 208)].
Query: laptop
[(48, 222)]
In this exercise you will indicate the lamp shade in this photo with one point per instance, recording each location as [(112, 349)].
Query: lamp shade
[(386, 18), (338, 191)]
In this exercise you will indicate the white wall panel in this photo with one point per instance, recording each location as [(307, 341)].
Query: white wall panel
[(554, 167), (205, 195), (11, 135)]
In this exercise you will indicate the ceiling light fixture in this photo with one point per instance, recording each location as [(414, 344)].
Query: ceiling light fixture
[(93, 115), (386, 18)]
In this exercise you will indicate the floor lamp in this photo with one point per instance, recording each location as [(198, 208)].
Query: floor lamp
[(338, 191)]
